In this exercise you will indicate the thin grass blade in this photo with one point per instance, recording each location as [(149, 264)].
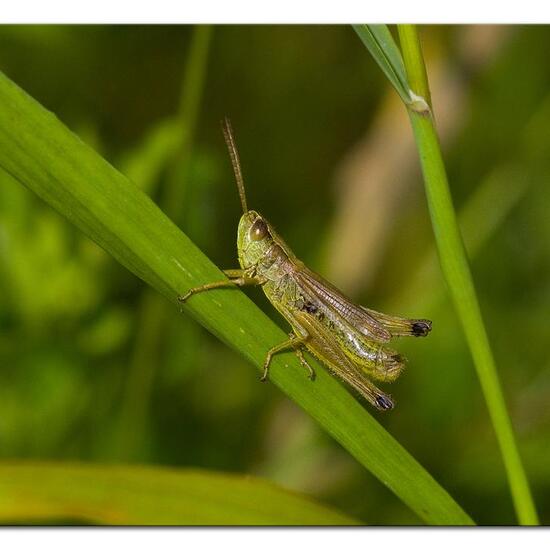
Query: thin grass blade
[(380, 43), (456, 270)]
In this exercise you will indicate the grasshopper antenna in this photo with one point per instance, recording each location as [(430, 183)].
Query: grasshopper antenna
[(234, 155)]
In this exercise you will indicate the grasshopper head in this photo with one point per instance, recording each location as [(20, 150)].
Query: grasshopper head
[(253, 238)]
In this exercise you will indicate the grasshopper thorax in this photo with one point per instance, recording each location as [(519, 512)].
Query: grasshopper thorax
[(254, 239)]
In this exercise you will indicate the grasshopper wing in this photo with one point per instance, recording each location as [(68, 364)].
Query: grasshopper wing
[(349, 313), (398, 326)]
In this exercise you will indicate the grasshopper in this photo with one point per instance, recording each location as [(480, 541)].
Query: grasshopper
[(350, 339)]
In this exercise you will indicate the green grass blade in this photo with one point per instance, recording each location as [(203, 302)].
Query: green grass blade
[(139, 495), (456, 270), (380, 43), (41, 153)]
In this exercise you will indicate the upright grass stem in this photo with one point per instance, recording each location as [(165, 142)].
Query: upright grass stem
[(457, 273)]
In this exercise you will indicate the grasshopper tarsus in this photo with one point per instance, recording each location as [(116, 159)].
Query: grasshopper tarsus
[(183, 298), (198, 289), (303, 360)]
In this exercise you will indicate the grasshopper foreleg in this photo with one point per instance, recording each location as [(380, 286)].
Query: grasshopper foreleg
[(236, 277), (293, 342)]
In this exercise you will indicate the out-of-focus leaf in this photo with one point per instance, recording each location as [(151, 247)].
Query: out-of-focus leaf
[(133, 495), (144, 163)]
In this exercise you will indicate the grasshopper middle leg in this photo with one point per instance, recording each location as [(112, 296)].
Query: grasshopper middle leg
[(295, 343), (304, 362)]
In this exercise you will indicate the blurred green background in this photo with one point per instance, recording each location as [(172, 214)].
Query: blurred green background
[(95, 367)]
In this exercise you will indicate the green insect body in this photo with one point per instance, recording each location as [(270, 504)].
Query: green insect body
[(350, 339)]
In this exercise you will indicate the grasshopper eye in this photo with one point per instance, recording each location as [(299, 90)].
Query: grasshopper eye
[(258, 231)]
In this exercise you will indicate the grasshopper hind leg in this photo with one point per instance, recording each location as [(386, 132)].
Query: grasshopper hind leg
[(355, 376), (375, 396), (384, 402)]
